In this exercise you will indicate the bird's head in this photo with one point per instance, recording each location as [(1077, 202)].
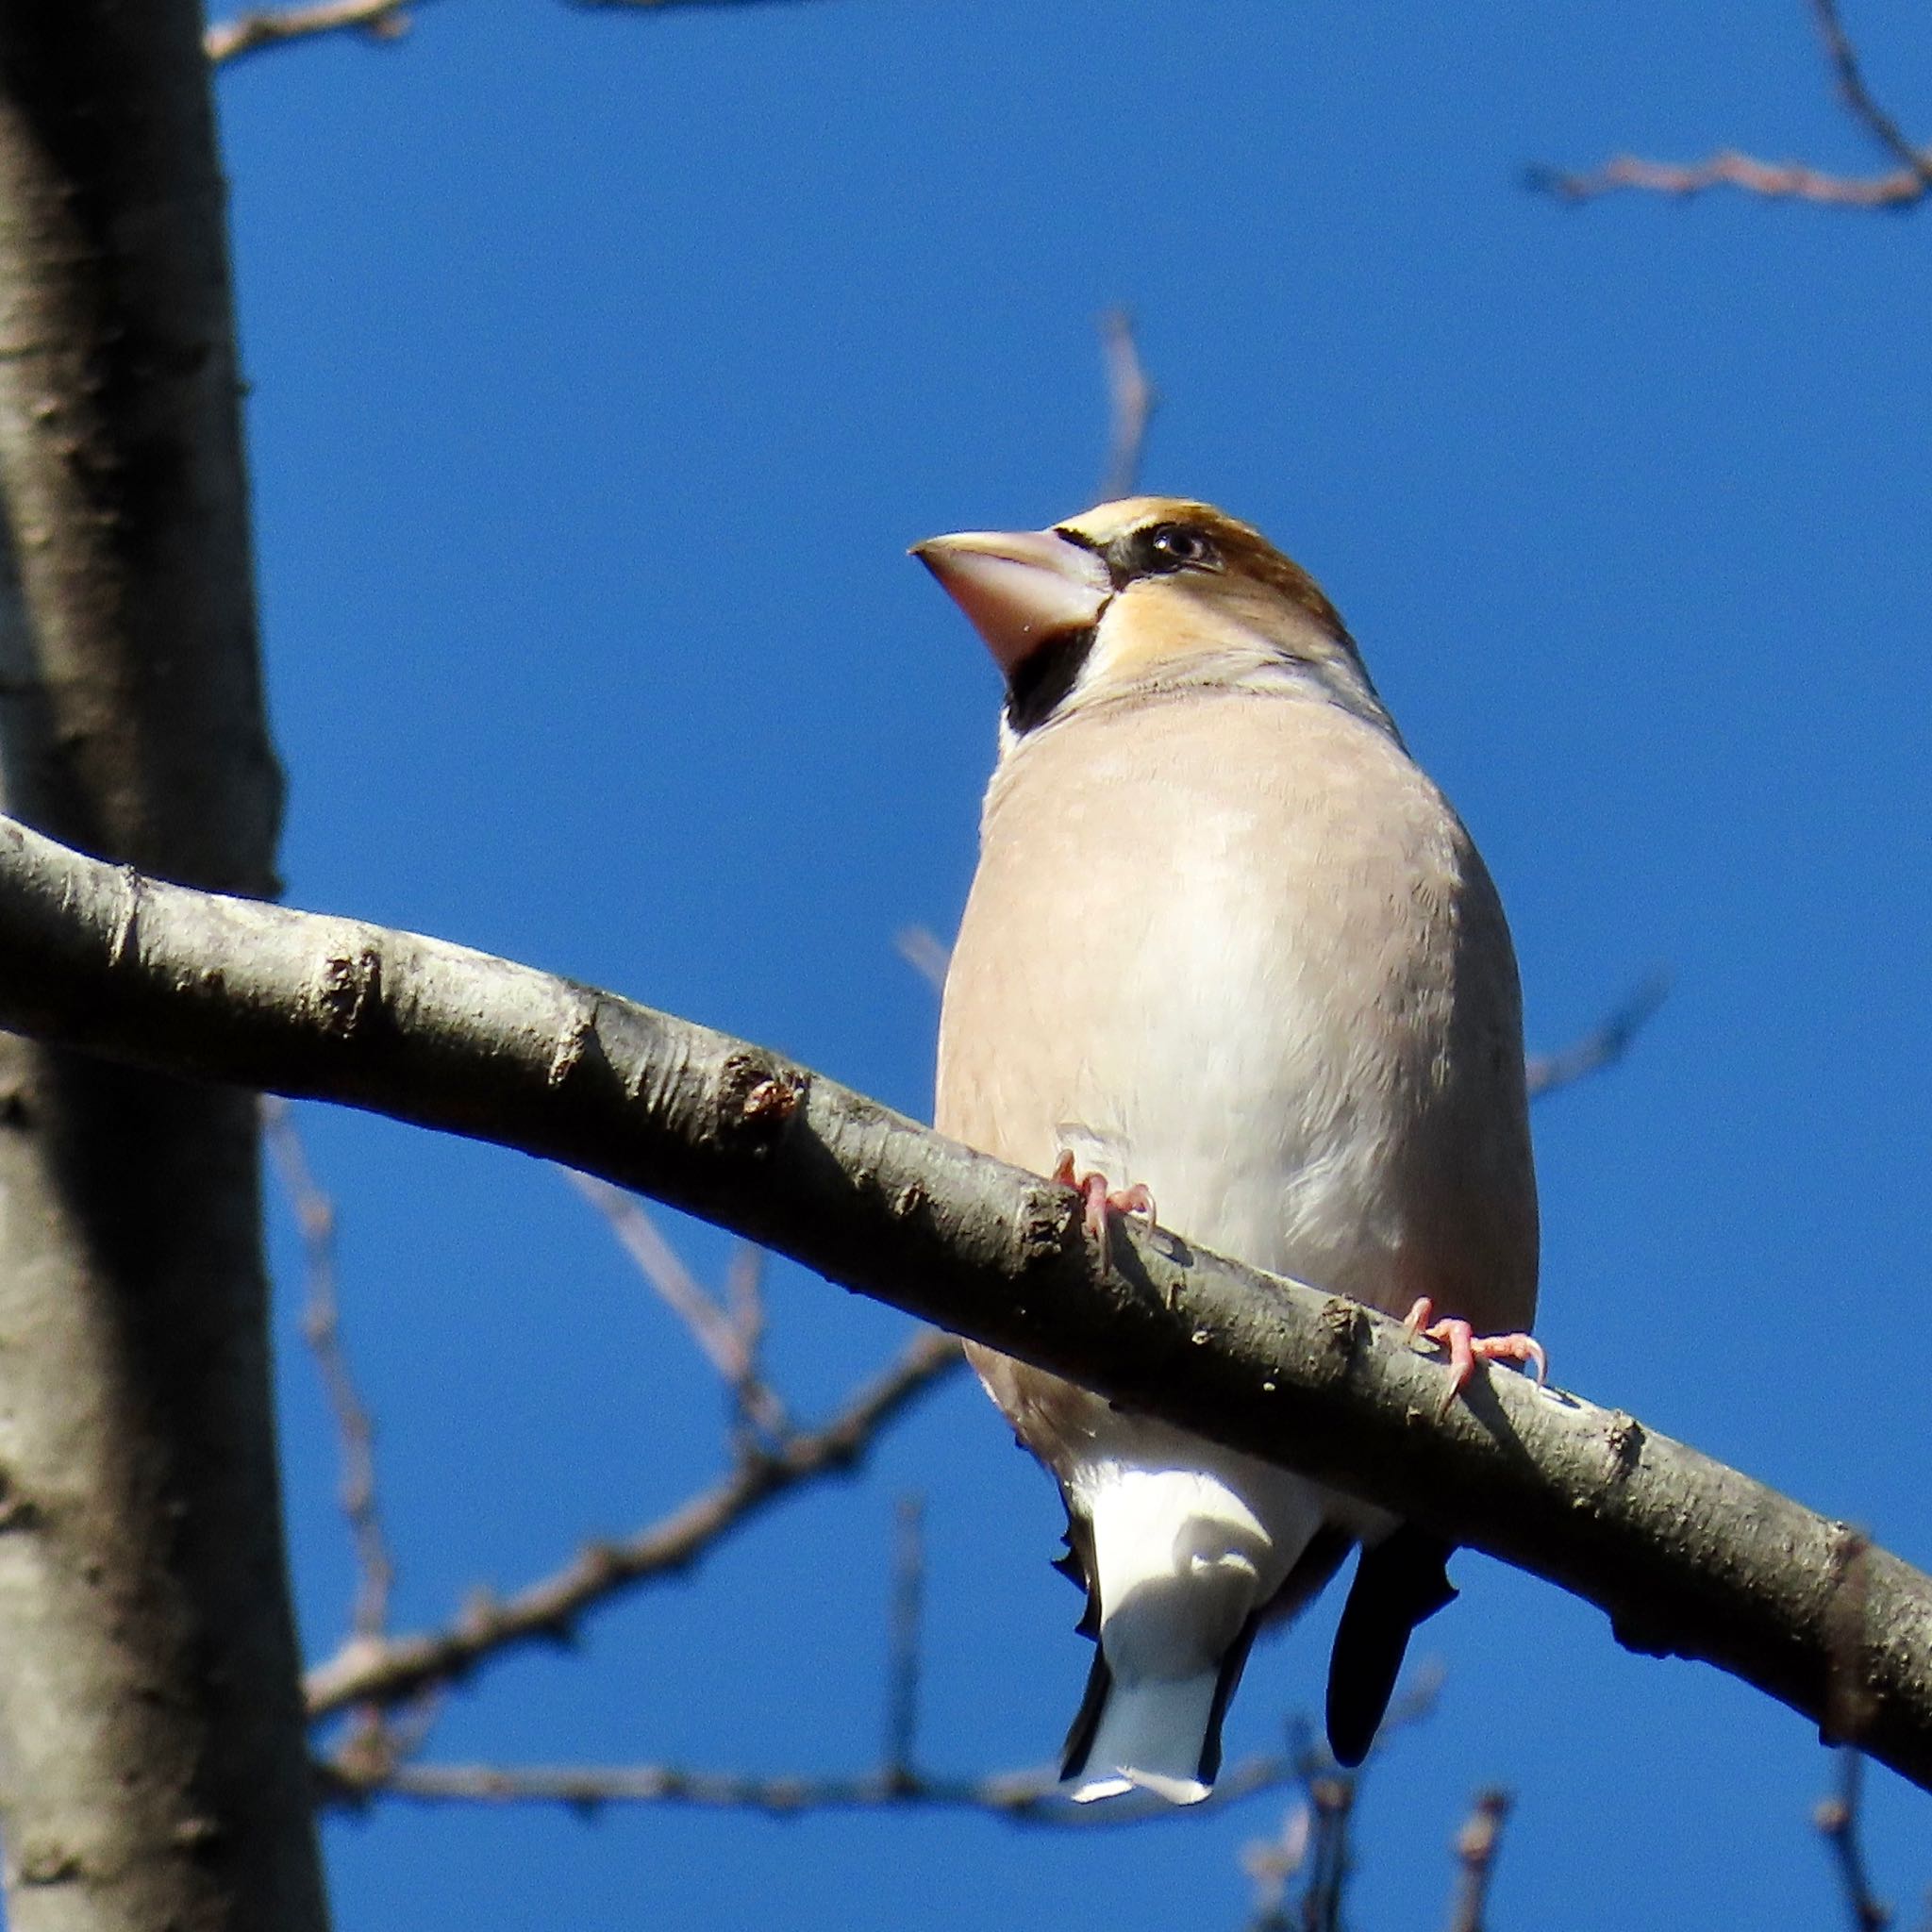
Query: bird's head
[(1148, 595)]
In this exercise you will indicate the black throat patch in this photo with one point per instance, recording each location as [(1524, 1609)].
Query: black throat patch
[(1043, 676)]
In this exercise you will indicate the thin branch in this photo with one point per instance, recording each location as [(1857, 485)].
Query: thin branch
[(1476, 1846), (1776, 180), (1686, 1556), (394, 1670), (1859, 98), (1131, 402), (382, 21), (927, 953), (721, 1338), (1314, 1838), (1029, 1797), (321, 1329), (1837, 1819), (1773, 180), (902, 1640), (1603, 1046)]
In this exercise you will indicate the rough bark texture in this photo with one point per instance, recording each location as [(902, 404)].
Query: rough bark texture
[(151, 1769), (1688, 1558)]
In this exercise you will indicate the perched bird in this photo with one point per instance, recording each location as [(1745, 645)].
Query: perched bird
[(1229, 957)]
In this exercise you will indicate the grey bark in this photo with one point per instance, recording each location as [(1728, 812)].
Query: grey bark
[(151, 1764), (1686, 1556)]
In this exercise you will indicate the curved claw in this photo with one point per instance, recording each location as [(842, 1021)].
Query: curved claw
[(1466, 1348), (1100, 1199)]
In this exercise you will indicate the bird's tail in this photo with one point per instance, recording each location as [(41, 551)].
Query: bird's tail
[(1182, 1567), (1162, 1734), (1399, 1582)]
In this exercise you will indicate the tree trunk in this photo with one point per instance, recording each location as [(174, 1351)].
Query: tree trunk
[(152, 1764)]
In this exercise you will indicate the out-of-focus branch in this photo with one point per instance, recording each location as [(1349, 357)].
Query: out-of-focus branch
[(927, 953), (321, 1329), (1837, 1819), (1686, 1556), (393, 1670), (1773, 180), (903, 1622), (1029, 1797), (1859, 98), (727, 1339), (1901, 188), (1476, 1846), (1131, 401), (1603, 1046), (381, 21), (1313, 1843)]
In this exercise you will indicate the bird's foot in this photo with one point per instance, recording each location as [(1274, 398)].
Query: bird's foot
[(1466, 1348), (1100, 1198)]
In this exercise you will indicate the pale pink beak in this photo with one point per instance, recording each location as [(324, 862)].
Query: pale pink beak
[(1019, 586)]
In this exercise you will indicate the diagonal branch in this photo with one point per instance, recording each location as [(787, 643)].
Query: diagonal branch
[(1686, 1556), (391, 1670), (1603, 1046), (253, 31), (1859, 98)]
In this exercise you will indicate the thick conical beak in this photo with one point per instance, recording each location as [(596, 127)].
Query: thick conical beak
[(1019, 586)]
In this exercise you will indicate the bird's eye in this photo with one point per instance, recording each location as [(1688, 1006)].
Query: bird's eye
[(1179, 546)]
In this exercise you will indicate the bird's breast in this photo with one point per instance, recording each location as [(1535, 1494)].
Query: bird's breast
[(1237, 948)]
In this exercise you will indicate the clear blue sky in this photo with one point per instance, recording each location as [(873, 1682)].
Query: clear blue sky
[(604, 365)]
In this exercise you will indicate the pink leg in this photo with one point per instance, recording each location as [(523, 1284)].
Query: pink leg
[(1466, 1348), (1100, 1198)]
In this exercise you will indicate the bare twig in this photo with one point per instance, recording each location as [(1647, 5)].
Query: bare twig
[(321, 1329), (927, 953), (1779, 180), (724, 1340), (1860, 100), (383, 20), (1271, 1863), (1131, 399), (1030, 1797), (1314, 1838), (1476, 1845), (755, 1403), (1603, 1046), (1773, 180), (1331, 1810), (393, 1670), (1686, 1554), (901, 1642), (1837, 1819)]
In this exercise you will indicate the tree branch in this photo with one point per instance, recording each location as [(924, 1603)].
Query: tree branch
[(382, 21), (1686, 1556), (386, 1671), (1131, 400), (1028, 1797), (321, 1329), (1837, 1819), (1902, 188)]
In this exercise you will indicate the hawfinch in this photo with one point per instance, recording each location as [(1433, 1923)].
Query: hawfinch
[(1229, 957)]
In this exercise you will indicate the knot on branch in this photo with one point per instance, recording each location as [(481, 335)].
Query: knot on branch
[(755, 1097), (1849, 1700), (348, 993), (1343, 1325)]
